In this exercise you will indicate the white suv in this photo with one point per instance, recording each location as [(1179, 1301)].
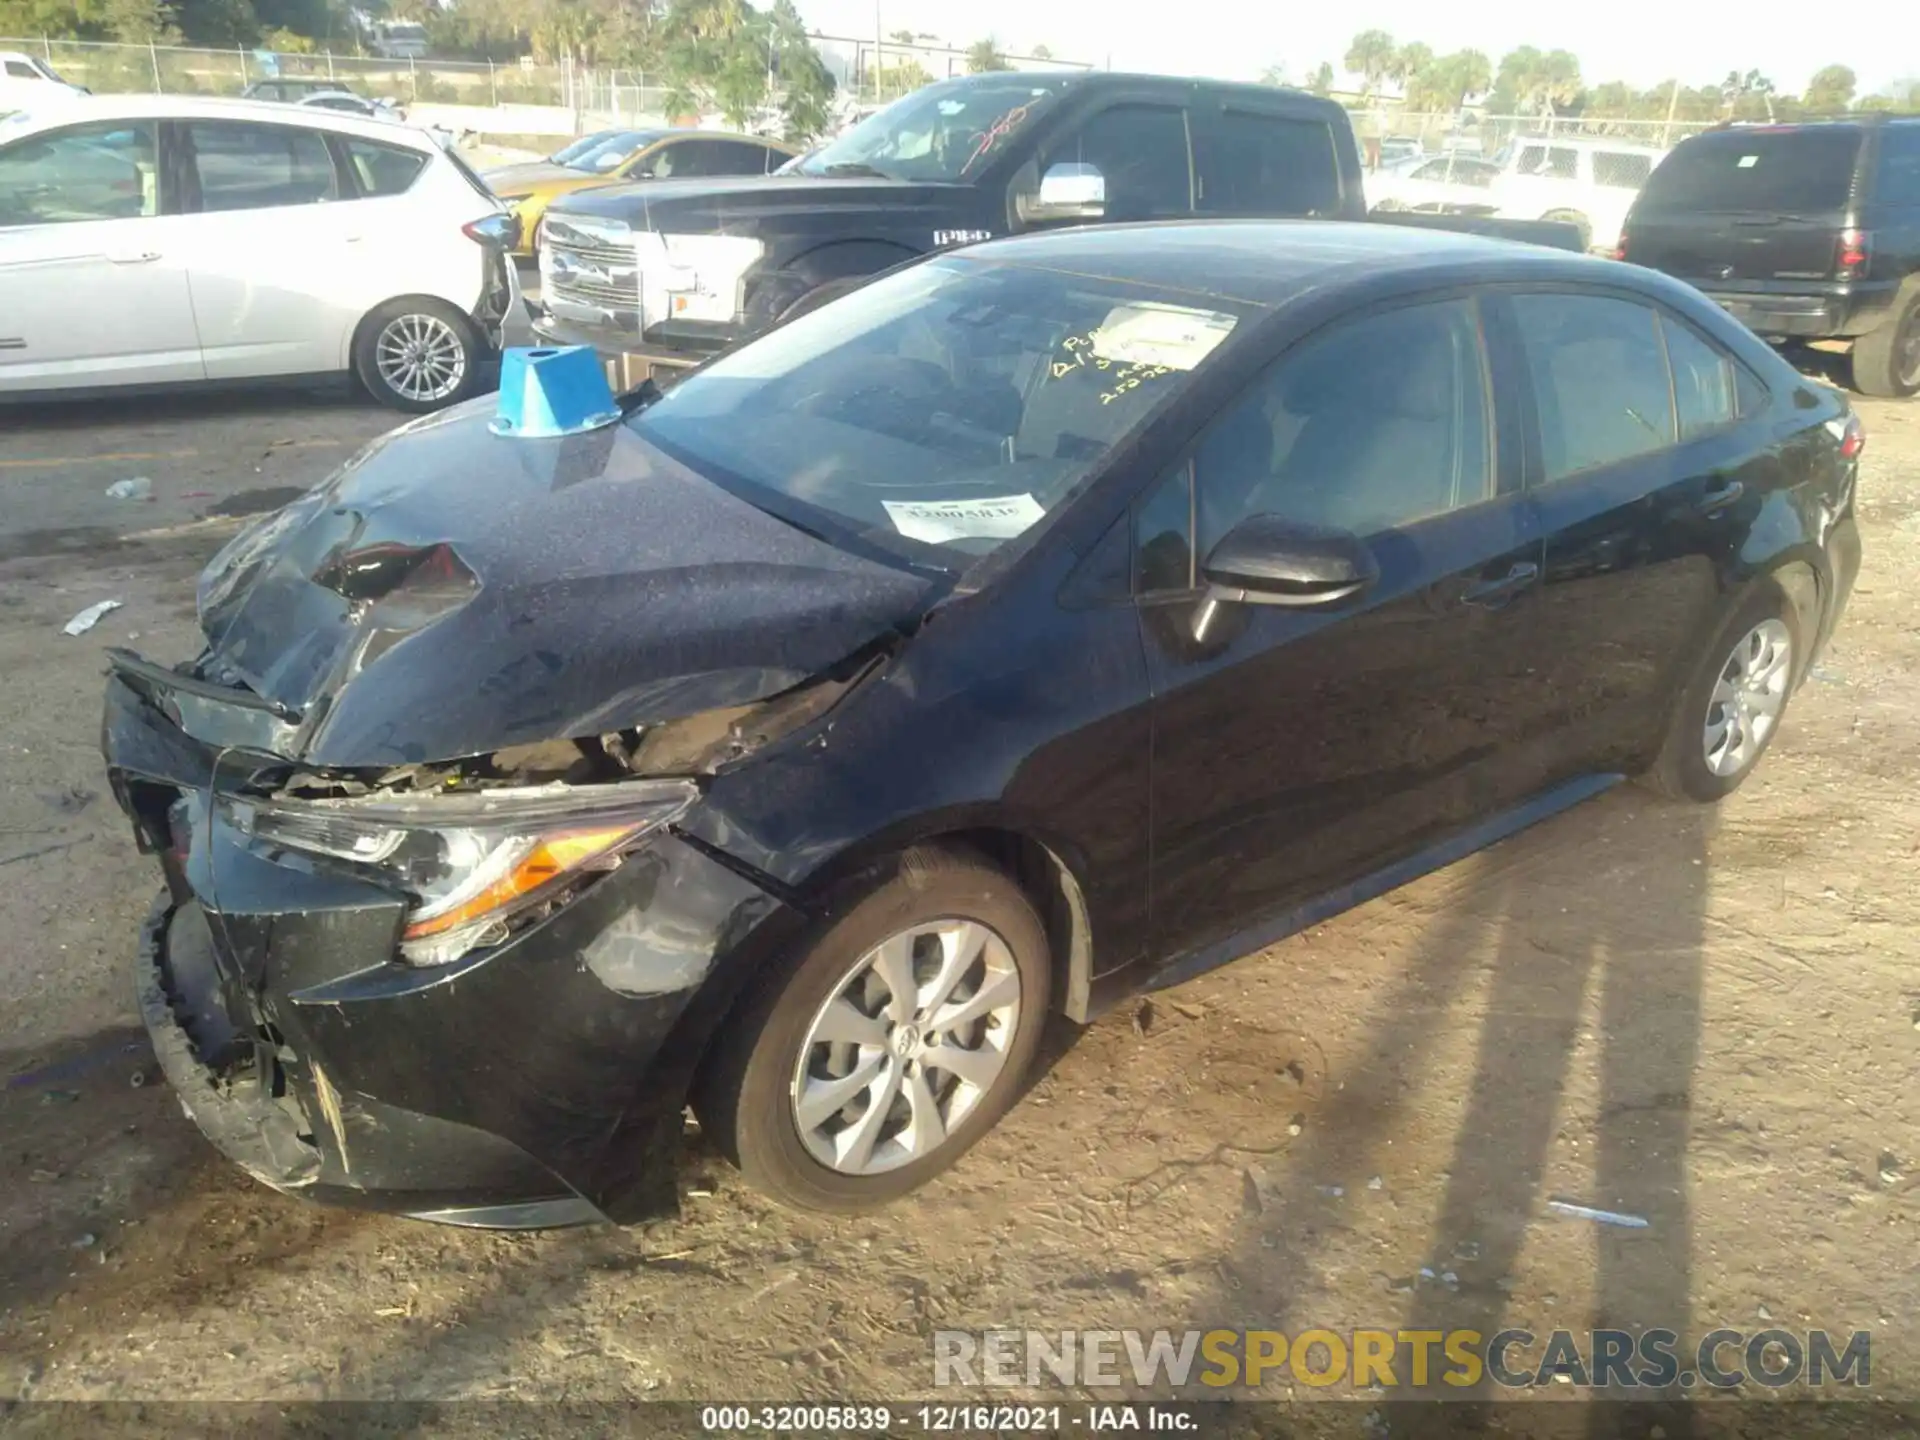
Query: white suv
[(1589, 183), (155, 240)]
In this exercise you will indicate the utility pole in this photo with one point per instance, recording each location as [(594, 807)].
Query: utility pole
[(1673, 106), (879, 57)]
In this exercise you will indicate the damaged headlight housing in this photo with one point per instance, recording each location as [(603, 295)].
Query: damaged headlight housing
[(471, 861)]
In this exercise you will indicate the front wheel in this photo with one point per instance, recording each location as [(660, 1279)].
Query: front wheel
[(889, 1045), (417, 355), (1733, 703)]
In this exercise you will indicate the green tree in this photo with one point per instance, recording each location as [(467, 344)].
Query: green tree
[(1831, 90), (1445, 83), (985, 55), (1410, 61), (1042, 52), (1322, 81), (1371, 56)]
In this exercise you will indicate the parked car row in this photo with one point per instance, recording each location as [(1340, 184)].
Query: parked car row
[(159, 240)]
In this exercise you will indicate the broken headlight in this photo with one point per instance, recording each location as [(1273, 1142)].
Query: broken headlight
[(469, 861)]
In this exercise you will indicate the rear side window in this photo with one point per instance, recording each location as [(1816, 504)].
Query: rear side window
[(382, 169), (1141, 153), (1897, 182), (1252, 164), (1599, 380), (19, 70), (1770, 172), (1621, 169), (1554, 162), (1703, 381), (258, 167)]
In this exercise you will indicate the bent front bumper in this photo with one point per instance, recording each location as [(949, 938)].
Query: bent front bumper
[(540, 1082)]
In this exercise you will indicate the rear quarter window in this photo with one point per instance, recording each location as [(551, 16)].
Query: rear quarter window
[(1897, 180), (1620, 169)]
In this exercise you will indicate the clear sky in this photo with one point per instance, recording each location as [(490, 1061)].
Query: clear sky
[(1640, 41)]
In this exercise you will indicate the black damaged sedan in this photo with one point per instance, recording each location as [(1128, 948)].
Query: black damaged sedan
[(1043, 622)]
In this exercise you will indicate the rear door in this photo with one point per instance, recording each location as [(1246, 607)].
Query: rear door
[(1297, 750), (93, 280), (270, 246), (1252, 161), (1648, 459), (1748, 209)]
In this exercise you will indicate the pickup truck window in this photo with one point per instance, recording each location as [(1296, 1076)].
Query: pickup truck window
[(1798, 171), (1141, 153), (944, 132), (1254, 164)]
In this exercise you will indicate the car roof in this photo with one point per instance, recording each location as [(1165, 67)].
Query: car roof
[(1268, 263), (78, 109)]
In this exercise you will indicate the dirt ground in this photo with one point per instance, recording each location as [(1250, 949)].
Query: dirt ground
[(1709, 1018)]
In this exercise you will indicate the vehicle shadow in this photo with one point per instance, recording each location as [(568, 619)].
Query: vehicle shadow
[(1585, 939), (173, 407)]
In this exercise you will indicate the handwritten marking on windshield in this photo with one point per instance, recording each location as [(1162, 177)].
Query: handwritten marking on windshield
[(999, 130), (1125, 376)]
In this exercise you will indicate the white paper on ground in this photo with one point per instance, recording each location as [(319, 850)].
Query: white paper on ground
[(937, 521), (90, 617)]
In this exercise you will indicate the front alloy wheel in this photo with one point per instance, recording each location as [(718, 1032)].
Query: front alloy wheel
[(910, 1043)]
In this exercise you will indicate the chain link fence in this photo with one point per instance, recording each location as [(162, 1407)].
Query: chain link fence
[(1487, 134)]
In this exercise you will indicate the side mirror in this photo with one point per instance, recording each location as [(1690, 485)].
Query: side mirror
[(1268, 560), (1070, 191)]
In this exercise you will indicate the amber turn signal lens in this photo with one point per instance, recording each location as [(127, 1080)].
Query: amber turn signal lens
[(549, 859)]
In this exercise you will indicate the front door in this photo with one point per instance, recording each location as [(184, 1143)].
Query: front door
[(93, 285), (1296, 750)]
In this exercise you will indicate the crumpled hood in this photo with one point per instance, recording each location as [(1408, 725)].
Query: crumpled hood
[(452, 592), (720, 204)]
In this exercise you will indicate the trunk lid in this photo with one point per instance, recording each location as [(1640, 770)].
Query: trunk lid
[(1749, 206)]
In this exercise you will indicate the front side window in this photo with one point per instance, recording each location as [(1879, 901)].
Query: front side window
[(945, 409), (1371, 426), (20, 70), (1141, 153), (1599, 380), (1253, 164), (107, 171), (257, 167)]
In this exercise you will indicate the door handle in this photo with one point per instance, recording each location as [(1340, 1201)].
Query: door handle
[(1719, 498), (1492, 594), (133, 257)]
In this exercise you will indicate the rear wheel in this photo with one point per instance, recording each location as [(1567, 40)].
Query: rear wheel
[(417, 355), (891, 1043), (1886, 361), (1733, 703)]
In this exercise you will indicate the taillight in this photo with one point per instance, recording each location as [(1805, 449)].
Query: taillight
[(1853, 439), (499, 231), (1856, 247), (1620, 248)]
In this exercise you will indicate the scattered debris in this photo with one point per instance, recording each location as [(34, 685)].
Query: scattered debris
[(1296, 1124), (1191, 1011), (70, 801), (1143, 1017), (1376, 1182), (138, 487), (1332, 1192), (42, 1177), (1374, 1425), (1450, 1279), (1258, 1188), (138, 1079), (1573, 1211), (1764, 1313), (196, 495), (1467, 1250), (1398, 1284), (1889, 1168), (89, 617), (59, 1097), (86, 1242), (1295, 1072)]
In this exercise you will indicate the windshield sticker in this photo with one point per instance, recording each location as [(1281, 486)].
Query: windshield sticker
[(938, 521), (1173, 336)]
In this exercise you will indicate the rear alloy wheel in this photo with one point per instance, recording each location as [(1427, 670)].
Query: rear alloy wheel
[(417, 355), (894, 1042), (1886, 361), (1733, 705)]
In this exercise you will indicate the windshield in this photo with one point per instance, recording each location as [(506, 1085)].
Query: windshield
[(943, 132), (1769, 172), (942, 410), (600, 153)]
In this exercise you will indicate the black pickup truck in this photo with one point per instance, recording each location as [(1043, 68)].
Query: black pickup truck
[(666, 274)]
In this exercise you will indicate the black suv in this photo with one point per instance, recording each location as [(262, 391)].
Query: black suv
[(1804, 232)]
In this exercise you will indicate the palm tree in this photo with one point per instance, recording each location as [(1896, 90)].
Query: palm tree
[(1371, 56), (1410, 62), (985, 55), (1555, 82)]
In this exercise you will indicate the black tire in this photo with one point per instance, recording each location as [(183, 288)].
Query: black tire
[(744, 1097), (1681, 771), (821, 295), (1886, 361), (1578, 221), (426, 317)]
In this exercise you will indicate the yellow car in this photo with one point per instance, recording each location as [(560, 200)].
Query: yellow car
[(613, 157)]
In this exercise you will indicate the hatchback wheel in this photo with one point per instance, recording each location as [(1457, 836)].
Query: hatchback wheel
[(1733, 704), (417, 355), (891, 1043)]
